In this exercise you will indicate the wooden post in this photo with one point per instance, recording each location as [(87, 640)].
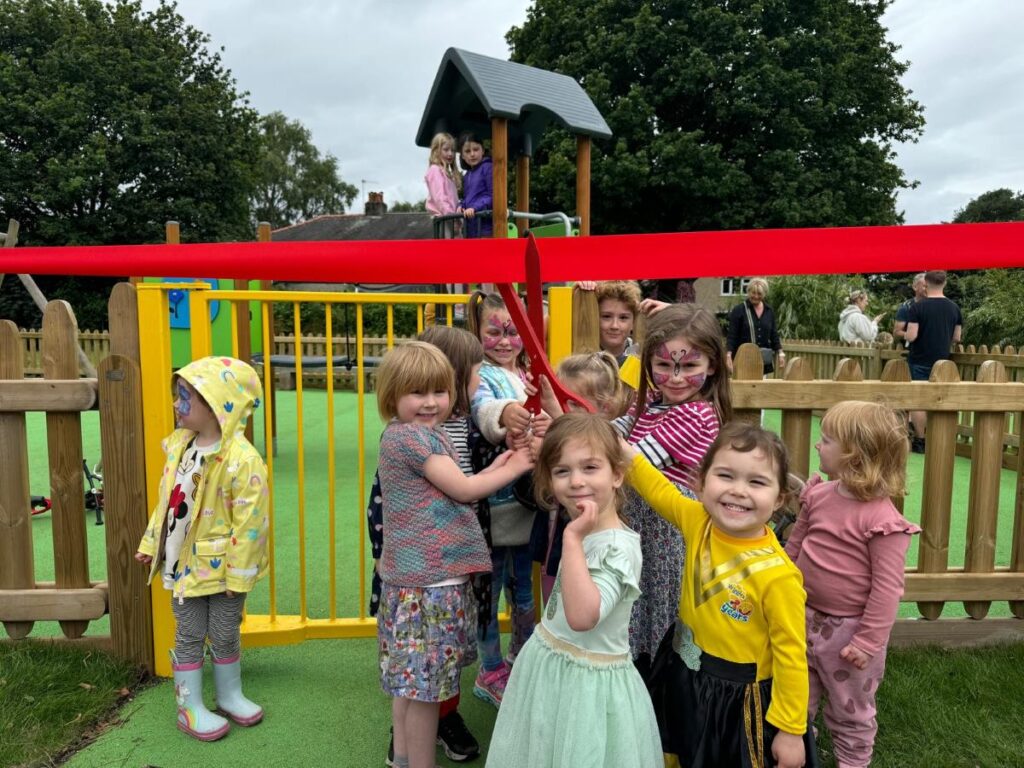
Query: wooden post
[(796, 424), (748, 366), (583, 183), (17, 569), (937, 496), (124, 481), (64, 444), (983, 502), (1017, 547), (499, 158), (522, 191), (9, 240)]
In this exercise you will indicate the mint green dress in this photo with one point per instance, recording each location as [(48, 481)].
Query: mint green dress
[(575, 698)]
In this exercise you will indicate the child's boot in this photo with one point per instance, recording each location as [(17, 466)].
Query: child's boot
[(193, 716), (227, 678)]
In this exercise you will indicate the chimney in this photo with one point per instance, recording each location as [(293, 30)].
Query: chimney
[(375, 205)]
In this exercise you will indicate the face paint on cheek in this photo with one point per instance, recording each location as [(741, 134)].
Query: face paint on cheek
[(660, 379), (184, 406), (490, 342), (696, 381), (516, 342)]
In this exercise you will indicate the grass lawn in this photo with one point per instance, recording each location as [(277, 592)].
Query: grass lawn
[(962, 707)]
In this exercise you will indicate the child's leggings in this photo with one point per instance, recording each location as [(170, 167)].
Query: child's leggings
[(218, 617), (511, 568), (850, 692)]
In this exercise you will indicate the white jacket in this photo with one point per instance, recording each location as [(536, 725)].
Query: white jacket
[(855, 326)]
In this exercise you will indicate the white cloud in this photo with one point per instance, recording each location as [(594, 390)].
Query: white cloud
[(357, 74)]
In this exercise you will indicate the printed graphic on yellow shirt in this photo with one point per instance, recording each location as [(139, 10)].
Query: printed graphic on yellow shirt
[(736, 605)]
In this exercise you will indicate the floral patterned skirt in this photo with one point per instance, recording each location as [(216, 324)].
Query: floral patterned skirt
[(425, 636)]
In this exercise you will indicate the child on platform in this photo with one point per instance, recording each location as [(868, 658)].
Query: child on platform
[(477, 185), (433, 543), (574, 697), (444, 182), (850, 542), (207, 536), (732, 689)]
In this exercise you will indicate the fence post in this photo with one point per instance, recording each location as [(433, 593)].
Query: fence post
[(17, 569), (848, 369), (124, 481), (64, 445), (937, 494), (796, 424), (1017, 548), (983, 503), (748, 366)]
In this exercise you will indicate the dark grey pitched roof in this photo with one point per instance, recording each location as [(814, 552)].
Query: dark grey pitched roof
[(390, 226), (470, 89)]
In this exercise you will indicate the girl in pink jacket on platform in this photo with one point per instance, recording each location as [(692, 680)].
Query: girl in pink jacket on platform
[(444, 182)]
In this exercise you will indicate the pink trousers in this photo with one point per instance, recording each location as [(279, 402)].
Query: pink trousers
[(849, 692)]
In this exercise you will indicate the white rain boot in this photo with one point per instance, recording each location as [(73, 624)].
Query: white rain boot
[(193, 716), (227, 678)]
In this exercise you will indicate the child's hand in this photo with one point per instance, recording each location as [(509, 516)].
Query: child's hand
[(498, 463), (515, 418), (541, 422), (517, 440), (469, 213), (548, 400), (630, 449), (528, 386), (535, 445), (652, 306), (854, 655), (788, 750), (144, 559), (585, 521), (586, 285), (228, 593), (520, 461)]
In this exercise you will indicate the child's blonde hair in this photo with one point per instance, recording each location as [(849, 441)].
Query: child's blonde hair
[(414, 366), (439, 140), (702, 330), (464, 351), (595, 377), (873, 441), (596, 432), (626, 291)]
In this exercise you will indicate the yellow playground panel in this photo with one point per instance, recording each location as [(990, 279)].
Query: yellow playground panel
[(275, 627)]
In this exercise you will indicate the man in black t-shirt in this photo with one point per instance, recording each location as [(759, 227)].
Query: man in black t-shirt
[(933, 326)]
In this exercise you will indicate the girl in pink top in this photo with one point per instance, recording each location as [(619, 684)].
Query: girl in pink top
[(850, 542), (444, 182)]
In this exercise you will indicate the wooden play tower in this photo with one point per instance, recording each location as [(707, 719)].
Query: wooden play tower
[(512, 104)]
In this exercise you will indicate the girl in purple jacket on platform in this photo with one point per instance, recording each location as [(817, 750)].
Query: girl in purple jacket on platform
[(476, 184)]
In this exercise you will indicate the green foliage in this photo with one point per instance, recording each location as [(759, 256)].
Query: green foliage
[(991, 302), (997, 205), (727, 115), (293, 181), (404, 207), (116, 120), (87, 296)]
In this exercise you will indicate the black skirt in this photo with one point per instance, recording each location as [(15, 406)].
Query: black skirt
[(715, 717)]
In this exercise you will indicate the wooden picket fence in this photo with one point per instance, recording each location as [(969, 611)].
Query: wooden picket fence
[(73, 598)]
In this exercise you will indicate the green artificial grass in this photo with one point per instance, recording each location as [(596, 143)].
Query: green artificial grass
[(52, 697)]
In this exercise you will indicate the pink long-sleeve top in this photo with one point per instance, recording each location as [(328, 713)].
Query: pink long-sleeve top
[(442, 196), (852, 555)]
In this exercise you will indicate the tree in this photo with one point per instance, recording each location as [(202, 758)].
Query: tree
[(997, 205), (766, 113), (116, 120), (403, 207), (294, 182)]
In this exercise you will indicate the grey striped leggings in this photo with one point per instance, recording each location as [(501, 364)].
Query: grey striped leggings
[(215, 616)]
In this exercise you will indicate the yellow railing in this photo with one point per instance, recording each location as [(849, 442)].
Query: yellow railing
[(275, 626)]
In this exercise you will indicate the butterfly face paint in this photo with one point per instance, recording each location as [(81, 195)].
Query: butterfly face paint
[(183, 405), (679, 371), (500, 338)]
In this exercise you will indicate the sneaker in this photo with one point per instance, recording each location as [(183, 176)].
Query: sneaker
[(917, 445), (490, 686), (456, 740)]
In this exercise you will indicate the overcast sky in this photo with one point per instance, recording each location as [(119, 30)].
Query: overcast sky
[(357, 74)]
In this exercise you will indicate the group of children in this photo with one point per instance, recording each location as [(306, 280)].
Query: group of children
[(676, 627), (448, 191)]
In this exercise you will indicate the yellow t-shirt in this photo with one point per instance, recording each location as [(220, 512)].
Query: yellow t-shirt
[(743, 598)]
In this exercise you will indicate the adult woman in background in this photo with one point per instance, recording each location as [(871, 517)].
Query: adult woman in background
[(753, 322), (854, 325)]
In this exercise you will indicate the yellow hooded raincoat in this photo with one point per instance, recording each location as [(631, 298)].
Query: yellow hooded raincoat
[(226, 544)]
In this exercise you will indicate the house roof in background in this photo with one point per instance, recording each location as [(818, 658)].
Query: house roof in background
[(390, 226)]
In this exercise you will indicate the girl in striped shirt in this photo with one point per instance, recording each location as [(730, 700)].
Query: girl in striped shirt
[(682, 400)]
